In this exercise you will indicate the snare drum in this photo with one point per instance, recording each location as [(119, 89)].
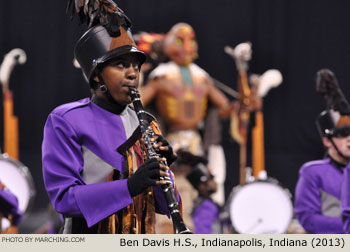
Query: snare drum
[(260, 207), (17, 178)]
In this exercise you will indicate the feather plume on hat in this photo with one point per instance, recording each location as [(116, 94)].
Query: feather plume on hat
[(100, 12), (337, 114), (327, 85)]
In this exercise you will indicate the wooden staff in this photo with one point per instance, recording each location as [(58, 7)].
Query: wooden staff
[(15, 56), (242, 54), (244, 116)]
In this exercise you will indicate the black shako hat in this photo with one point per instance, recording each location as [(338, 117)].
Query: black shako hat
[(336, 118), (330, 121), (199, 174), (97, 46)]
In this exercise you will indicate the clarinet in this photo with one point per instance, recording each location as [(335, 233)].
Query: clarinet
[(168, 188)]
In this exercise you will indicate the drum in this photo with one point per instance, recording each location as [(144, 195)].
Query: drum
[(17, 178), (260, 207)]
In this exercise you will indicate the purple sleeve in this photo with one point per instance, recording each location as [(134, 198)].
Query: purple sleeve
[(307, 207), (7, 200), (9, 206), (161, 204), (204, 216), (62, 168), (345, 200)]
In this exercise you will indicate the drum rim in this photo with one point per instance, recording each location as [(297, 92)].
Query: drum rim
[(24, 170)]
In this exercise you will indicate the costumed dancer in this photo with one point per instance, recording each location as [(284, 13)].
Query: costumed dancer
[(318, 190), (94, 164), (182, 91)]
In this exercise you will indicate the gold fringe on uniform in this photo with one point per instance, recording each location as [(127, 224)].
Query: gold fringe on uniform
[(139, 217)]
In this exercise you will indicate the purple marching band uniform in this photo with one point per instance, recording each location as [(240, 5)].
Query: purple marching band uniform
[(345, 200), (9, 206), (79, 152), (317, 196), (204, 214)]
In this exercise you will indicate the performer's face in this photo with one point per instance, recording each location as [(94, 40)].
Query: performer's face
[(119, 74), (342, 141), (181, 45), (212, 186), (208, 187)]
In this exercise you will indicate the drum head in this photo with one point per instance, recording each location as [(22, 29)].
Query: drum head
[(260, 207), (16, 177)]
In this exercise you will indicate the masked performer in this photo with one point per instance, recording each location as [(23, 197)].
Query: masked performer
[(94, 164), (182, 91), (318, 191)]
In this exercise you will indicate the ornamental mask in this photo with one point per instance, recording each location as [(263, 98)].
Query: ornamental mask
[(180, 44)]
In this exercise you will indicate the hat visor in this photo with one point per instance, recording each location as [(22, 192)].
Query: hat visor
[(121, 51), (116, 53)]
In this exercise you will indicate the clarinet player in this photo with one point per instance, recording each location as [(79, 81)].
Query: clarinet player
[(94, 166)]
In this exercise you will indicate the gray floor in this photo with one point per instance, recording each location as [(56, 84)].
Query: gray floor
[(34, 221)]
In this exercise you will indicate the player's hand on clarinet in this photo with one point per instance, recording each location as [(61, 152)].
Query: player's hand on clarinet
[(148, 174), (164, 149)]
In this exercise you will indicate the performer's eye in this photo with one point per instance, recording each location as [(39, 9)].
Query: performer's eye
[(117, 63), (136, 66), (120, 64), (178, 41)]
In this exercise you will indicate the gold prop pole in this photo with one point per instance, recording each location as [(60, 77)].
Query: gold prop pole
[(258, 152), (10, 126), (12, 58)]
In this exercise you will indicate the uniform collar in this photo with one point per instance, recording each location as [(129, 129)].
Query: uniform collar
[(114, 108), (338, 165)]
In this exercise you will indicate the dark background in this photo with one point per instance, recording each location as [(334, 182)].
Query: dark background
[(297, 37)]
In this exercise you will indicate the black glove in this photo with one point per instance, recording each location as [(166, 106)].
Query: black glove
[(187, 158), (168, 154), (145, 176)]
